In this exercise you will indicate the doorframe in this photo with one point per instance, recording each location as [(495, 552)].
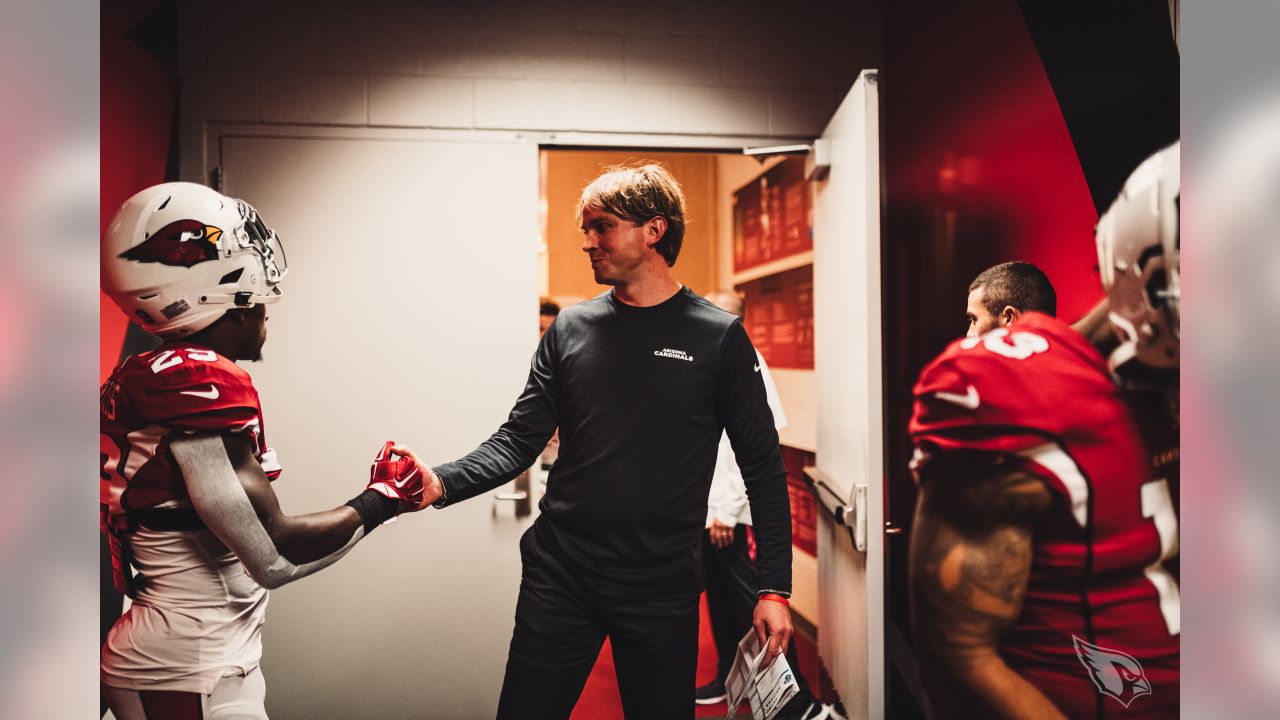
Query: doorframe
[(210, 146), (215, 135)]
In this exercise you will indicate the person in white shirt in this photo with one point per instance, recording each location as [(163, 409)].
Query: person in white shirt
[(728, 558)]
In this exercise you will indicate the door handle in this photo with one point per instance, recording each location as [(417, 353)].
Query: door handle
[(520, 495), (852, 515)]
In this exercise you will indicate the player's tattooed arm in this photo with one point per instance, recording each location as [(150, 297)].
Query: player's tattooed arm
[(970, 560)]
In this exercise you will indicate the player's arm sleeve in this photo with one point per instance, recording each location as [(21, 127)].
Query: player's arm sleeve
[(513, 448), (218, 496), (743, 408)]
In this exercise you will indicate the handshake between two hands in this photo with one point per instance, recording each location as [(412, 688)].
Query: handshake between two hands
[(397, 474)]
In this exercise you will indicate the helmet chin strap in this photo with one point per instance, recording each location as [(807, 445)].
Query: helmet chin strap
[(240, 299)]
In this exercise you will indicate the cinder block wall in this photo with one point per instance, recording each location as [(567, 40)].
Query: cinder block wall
[(701, 67)]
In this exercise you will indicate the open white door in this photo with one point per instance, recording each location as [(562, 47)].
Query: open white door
[(409, 314), (850, 457)]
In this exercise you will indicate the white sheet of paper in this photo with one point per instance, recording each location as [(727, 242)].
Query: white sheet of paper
[(741, 670), (765, 690)]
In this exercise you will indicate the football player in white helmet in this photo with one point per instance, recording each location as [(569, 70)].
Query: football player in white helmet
[(1014, 555), (1138, 325), (1138, 257), (177, 256), (186, 471)]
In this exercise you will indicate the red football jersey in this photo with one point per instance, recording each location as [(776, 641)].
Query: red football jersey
[(1099, 631), (152, 398)]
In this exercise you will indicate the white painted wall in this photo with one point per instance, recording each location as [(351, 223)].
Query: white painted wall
[(407, 315), (709, 67), (674, 72)]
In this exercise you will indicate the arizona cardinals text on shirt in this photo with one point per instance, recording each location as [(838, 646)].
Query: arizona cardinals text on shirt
[(677, 354), (638, 437)]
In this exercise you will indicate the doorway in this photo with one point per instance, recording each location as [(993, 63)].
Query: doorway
[(451, 235), (724, 191)]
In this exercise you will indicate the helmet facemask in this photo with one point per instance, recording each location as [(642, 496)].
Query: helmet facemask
[(1138, 252)]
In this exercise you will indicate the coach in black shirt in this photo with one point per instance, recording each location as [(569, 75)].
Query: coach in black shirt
[(640, 381)]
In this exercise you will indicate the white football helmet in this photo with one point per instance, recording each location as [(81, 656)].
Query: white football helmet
[(177, 256), (1138, 256)]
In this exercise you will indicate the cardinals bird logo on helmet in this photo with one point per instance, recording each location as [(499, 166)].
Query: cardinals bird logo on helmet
[(177, 256), (181, 243)]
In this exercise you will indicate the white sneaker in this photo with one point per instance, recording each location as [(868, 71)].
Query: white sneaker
[(816, 711)]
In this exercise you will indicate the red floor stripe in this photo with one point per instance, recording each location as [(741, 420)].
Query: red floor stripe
[(600, 700)]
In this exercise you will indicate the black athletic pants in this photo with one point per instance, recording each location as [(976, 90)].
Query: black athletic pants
[(731, 600), (561, 624)]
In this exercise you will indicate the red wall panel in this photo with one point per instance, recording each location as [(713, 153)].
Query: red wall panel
[(138, 93), (777, 311), (804, 509), (772, 216), (979, 168)]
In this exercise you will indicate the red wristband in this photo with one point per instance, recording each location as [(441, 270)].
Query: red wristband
[(776, 598)]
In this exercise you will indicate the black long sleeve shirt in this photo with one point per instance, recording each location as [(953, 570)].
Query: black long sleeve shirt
[(640, 396)]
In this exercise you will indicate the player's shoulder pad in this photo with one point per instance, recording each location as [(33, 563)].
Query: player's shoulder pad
[(987, 385), (190, 370), (1033, 346)]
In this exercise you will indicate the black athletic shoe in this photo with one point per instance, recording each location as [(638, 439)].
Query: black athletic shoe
[(709, 694)]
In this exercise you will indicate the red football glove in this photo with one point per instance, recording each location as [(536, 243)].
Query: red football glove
[(396, 477)]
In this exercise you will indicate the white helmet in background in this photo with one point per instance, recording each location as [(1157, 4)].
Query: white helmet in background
[(177, 256), (1138, 256)]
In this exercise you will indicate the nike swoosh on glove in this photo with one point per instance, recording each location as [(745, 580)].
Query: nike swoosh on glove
[(396, 477)]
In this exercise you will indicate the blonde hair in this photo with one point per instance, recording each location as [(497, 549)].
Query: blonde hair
[(639, 193)]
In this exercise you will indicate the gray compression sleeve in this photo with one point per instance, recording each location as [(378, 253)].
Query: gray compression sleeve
[(224, 506)]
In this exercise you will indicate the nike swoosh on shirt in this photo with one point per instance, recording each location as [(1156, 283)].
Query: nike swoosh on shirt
[(757, 368), (210, 394), (968, 401)]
